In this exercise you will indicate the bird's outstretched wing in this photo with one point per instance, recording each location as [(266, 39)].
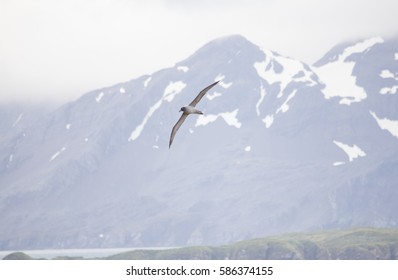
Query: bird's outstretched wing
[(176, 127), (201, 94)]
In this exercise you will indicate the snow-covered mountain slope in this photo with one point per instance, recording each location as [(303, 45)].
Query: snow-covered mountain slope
[(283, 146)]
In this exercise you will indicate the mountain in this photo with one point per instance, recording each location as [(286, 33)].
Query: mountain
[(282, 147)]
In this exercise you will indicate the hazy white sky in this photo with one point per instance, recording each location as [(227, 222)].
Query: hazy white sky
[(60, 49)]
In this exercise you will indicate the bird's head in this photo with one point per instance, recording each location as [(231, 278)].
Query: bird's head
[(182, 109)]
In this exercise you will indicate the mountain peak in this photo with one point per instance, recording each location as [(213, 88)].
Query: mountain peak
[(230, 40), (226, 45)]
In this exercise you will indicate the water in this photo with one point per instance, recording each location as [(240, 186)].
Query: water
[(84, 253)]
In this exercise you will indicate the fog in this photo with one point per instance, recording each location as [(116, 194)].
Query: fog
[(58, 50)]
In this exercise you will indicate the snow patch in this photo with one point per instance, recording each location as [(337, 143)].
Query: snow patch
[(206, 119), (360, 47), (54, 156), (248, 148), (229, 117), (183, 68), (387, 90), (173, 89), (137, 131), (291, 68), (337, 75), (17, 120), (212, 96), (338, 80), (346, 101), (225, 85), (155, 147), (337, 163), (191, 131), (68, 126), (85, 139), (285, 106), (385, 74), (99, 97), (146, 82), (11, 158), (262, 95), (169, 93), (122, 90), (220, 77), (268, 120), (352, 152), (386, 124), (396, 56)]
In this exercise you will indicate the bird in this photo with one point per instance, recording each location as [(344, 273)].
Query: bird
[(190, 109)]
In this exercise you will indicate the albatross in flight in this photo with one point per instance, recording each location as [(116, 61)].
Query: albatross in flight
[(190, 109)]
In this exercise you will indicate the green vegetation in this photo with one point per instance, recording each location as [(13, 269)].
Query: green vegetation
[(17, 256), (360, 243)]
